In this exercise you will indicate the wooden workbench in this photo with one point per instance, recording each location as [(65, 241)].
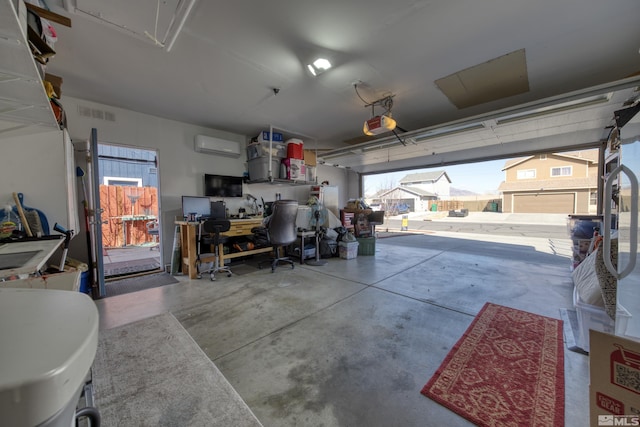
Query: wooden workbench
[(189, 231)]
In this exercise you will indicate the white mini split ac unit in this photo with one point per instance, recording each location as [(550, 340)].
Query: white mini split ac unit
[(213, 145)]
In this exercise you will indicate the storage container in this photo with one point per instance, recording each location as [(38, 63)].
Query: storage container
[(366, 245), (581, 226), (309, 250), (278, 149), (593, 317), (264, 137), (348, 250), (310, 173), (85, 288), (295, 149), (581, 230), (293, 169), (259, 168)]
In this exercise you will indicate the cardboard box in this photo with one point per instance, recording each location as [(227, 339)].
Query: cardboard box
[(614, 372), (347, 219), (310, 158), (56, 82), (362, 227), (294, 169)]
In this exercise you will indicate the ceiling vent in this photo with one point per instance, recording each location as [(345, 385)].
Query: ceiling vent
[(213, 145)]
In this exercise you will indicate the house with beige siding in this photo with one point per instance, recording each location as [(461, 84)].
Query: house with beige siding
[(551, 183)]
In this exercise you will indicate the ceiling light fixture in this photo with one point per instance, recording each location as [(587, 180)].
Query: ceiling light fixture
[(319, 66)]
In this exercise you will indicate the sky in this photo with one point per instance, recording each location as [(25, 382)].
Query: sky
[(481, 178)]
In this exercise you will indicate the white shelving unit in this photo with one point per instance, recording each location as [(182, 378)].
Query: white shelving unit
[(25, 110), (24, 105), (271, 179)]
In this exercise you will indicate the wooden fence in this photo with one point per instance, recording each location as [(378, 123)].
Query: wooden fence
[(126, 212), (473, 205)]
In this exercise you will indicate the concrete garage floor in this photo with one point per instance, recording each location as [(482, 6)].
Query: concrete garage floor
[(353, 342)]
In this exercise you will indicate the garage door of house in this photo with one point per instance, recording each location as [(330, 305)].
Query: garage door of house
[(544, 203)]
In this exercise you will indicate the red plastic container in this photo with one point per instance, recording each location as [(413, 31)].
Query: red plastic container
[(295, 149)]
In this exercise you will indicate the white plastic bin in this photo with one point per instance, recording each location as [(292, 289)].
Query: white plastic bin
[(594, 317), (259, 168), (348, 250)]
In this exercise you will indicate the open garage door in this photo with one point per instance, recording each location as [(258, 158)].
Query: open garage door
[(544, 203)]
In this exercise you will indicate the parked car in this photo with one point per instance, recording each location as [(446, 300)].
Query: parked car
[(398, 209)]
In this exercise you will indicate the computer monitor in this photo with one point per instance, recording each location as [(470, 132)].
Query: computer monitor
[(201, 206), (218, 210)]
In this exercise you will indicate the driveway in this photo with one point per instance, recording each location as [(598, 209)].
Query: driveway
[(552, 226)]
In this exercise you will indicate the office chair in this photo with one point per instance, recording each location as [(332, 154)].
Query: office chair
[(212, 227), (154, 231), (282, 230)]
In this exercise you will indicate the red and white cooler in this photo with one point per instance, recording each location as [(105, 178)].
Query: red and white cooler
[(295, 149)]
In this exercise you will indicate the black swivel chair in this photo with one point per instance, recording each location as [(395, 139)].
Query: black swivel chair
[(213, 228), (282, 230)]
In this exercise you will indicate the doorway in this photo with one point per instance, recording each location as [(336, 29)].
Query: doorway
[(128, 179)]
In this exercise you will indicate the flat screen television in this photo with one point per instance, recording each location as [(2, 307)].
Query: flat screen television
[(222, 186), (201, 206)]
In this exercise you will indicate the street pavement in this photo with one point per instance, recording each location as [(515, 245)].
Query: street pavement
[(552, 226)]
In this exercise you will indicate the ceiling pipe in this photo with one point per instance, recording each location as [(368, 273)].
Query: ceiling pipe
[(68, 6), (177, 31)]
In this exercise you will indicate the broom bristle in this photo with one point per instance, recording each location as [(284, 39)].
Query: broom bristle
[(33, 219)]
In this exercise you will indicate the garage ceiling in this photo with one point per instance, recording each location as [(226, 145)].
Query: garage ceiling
[(581, 119), (447, 63)]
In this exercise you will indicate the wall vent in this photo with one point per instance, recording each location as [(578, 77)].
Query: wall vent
[(95, 113)]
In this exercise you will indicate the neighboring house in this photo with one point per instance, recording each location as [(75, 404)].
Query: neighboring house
[(551, 183), (416, 190), (435, 183), (127, 166)]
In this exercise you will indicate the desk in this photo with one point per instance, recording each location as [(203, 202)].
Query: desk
[(189, 231)]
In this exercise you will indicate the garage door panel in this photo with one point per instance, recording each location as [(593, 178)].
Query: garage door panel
[(544, 203)]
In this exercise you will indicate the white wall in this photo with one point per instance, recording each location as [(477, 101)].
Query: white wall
[(34, 165), (442, 187), (181, 169)]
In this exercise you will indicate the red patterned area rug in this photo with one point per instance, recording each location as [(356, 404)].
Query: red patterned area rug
[(506, 370)]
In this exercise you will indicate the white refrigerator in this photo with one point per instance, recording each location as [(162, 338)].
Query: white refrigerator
[(622, 169)]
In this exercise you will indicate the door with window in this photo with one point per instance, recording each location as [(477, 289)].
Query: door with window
[(126, 189)]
